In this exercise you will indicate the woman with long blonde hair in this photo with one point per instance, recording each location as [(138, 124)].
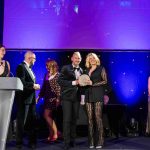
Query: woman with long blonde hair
[(94, 95)]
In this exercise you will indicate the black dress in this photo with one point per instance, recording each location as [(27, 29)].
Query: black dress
[(95, 93), (6, 70)]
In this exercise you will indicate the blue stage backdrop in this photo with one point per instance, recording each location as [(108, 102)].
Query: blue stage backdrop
[(61, 24), (127, 71)]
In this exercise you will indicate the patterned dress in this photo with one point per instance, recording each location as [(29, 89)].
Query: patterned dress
[(50, 91)]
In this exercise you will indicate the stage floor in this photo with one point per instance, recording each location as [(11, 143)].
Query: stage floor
[(82, 144)]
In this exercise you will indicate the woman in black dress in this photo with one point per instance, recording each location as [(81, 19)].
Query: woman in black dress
[(4, 65), (94, 95), (50, 91)]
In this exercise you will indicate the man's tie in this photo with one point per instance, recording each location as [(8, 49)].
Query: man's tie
[(77, 72), (74, 68)]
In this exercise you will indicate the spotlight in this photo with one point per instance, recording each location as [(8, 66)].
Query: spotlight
[(76, 9)]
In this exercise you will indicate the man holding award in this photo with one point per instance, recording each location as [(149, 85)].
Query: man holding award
[(70, 96)]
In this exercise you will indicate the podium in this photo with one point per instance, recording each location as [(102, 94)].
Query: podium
[(8, 86)]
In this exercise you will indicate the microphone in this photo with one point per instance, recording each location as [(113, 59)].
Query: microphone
[(11, 74)]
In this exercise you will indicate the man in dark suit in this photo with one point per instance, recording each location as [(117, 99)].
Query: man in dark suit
[(25, 101), (70, 96)]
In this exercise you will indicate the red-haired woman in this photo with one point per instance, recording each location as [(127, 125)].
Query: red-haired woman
[(50, 91)]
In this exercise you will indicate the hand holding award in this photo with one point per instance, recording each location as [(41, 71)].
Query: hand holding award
[(84, 80)]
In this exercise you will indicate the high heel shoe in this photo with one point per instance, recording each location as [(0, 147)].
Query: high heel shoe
[(53, 139), (59, 134), (49, 139)]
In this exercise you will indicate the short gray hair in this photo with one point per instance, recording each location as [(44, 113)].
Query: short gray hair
[(28, 54)]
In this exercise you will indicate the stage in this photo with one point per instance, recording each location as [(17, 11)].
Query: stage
[(82, 144)]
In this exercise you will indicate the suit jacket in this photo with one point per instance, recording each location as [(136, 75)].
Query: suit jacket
[(96, 91), (27, 96), (69, 91)]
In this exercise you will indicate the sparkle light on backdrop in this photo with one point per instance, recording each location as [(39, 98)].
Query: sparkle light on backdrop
[(127, 72), (61, 25), (70, 24)]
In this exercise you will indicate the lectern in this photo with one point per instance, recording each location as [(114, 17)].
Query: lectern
[(8, 86)]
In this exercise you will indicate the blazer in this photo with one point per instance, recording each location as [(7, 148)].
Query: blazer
[(69, 91), (96, 91), (27, 96)]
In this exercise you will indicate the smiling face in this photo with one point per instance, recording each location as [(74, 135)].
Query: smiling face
[(76, 59), (2, 52), (92, 60)]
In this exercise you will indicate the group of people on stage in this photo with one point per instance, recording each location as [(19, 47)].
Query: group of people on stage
[(60, 88)]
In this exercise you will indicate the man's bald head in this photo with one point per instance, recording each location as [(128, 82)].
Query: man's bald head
[(30, 57)]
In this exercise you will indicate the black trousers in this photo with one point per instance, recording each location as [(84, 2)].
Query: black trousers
[(70, 116), (26, 120)]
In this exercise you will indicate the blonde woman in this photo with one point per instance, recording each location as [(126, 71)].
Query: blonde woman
[(50, 91), (94, 95)]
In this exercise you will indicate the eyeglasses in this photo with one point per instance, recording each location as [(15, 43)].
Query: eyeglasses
[(33, 58)]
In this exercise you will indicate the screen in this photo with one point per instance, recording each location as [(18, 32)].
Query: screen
[(73, 24)]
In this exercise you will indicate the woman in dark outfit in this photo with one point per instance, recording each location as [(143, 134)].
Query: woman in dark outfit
[(94, 95), (4, 72), (4, 65), (50, 91)]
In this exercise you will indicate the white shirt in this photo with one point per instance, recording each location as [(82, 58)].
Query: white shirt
[(32, 74), (77, 74)]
